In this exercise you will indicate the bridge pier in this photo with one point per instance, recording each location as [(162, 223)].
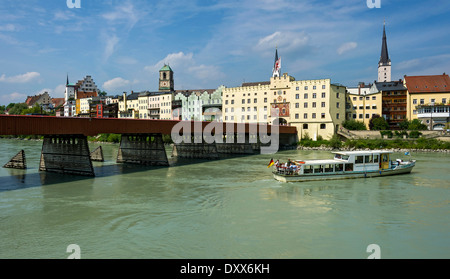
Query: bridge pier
[(66, 154), (238, 143), (142, 149), (17, 162), (194, 147)]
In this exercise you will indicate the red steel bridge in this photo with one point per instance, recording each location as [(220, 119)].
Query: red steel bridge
[(65, 148)]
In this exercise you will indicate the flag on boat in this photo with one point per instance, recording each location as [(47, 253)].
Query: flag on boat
[(270, 163)]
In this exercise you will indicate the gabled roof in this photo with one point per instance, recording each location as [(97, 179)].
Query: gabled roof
[(428, 84)]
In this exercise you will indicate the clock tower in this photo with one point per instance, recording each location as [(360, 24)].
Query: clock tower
[(166, 83)]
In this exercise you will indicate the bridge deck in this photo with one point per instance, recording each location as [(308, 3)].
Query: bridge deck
[(48, 125)]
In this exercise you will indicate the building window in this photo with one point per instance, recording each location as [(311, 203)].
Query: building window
[(422, 101), (367, 116), (314, 104), (374, 97), (297, 96), (323, 126), (323, 104), (296, 116), (337, 105), (323, 94), (255, 100), (297, 105), (374, 107), (305, 105), (360, 116), (444, 100), (297, 88), (232, 102), (305, 116), (265, 100), (305, 126), (306, 87), (313, 116), (243, 101), (314, 95), (337, 115), (305, 96), (323, 86), (323, 115), (354, 116)]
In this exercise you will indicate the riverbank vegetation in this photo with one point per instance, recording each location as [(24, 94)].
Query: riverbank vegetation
[(397, 143)]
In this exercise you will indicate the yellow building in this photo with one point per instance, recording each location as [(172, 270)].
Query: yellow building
[(129, 106), (428, 99), (426, 90), (315, 107), (363, 102)]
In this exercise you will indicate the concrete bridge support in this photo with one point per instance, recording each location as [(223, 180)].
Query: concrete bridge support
[(142, 149), (194, 147), (67, 154), (17, 162), (238, 144)]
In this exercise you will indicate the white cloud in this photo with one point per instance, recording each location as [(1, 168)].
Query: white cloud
[(288, 41), (14, 97), (115, 84), (111, 42), (187, 69), (346, 47), (20, 78), (8, 28)]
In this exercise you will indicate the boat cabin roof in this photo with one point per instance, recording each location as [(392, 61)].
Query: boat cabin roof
[(368, 152)]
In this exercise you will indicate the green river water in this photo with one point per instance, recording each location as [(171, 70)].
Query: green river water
[(230, 208)]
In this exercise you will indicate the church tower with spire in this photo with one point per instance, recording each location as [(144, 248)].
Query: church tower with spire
[(384, 66), (277, 65)]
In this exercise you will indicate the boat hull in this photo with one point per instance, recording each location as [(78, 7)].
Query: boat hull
[(405, 169)]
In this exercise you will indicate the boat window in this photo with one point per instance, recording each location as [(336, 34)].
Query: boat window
[(359, 159), (368, 159), (345, 157), (318, 169), (375, 158), (338, 156), (308, 169), (329, 168), (339, 167), (385, 158), (348, 167)]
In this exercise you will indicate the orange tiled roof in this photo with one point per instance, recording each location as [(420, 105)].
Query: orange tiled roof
[(81, 94), (58, 102), (428, 84)]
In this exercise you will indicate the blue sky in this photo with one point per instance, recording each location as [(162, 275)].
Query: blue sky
[(123, 44)]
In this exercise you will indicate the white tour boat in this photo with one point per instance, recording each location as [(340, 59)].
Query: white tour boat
[(344, 165)]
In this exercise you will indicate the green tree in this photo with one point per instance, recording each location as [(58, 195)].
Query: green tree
[(417, 125), (378, 123), (17, 109), (335, 142), (404, 125), (354, 125), (34, 110)]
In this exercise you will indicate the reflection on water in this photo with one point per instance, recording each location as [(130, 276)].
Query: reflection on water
[(229, 208)]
